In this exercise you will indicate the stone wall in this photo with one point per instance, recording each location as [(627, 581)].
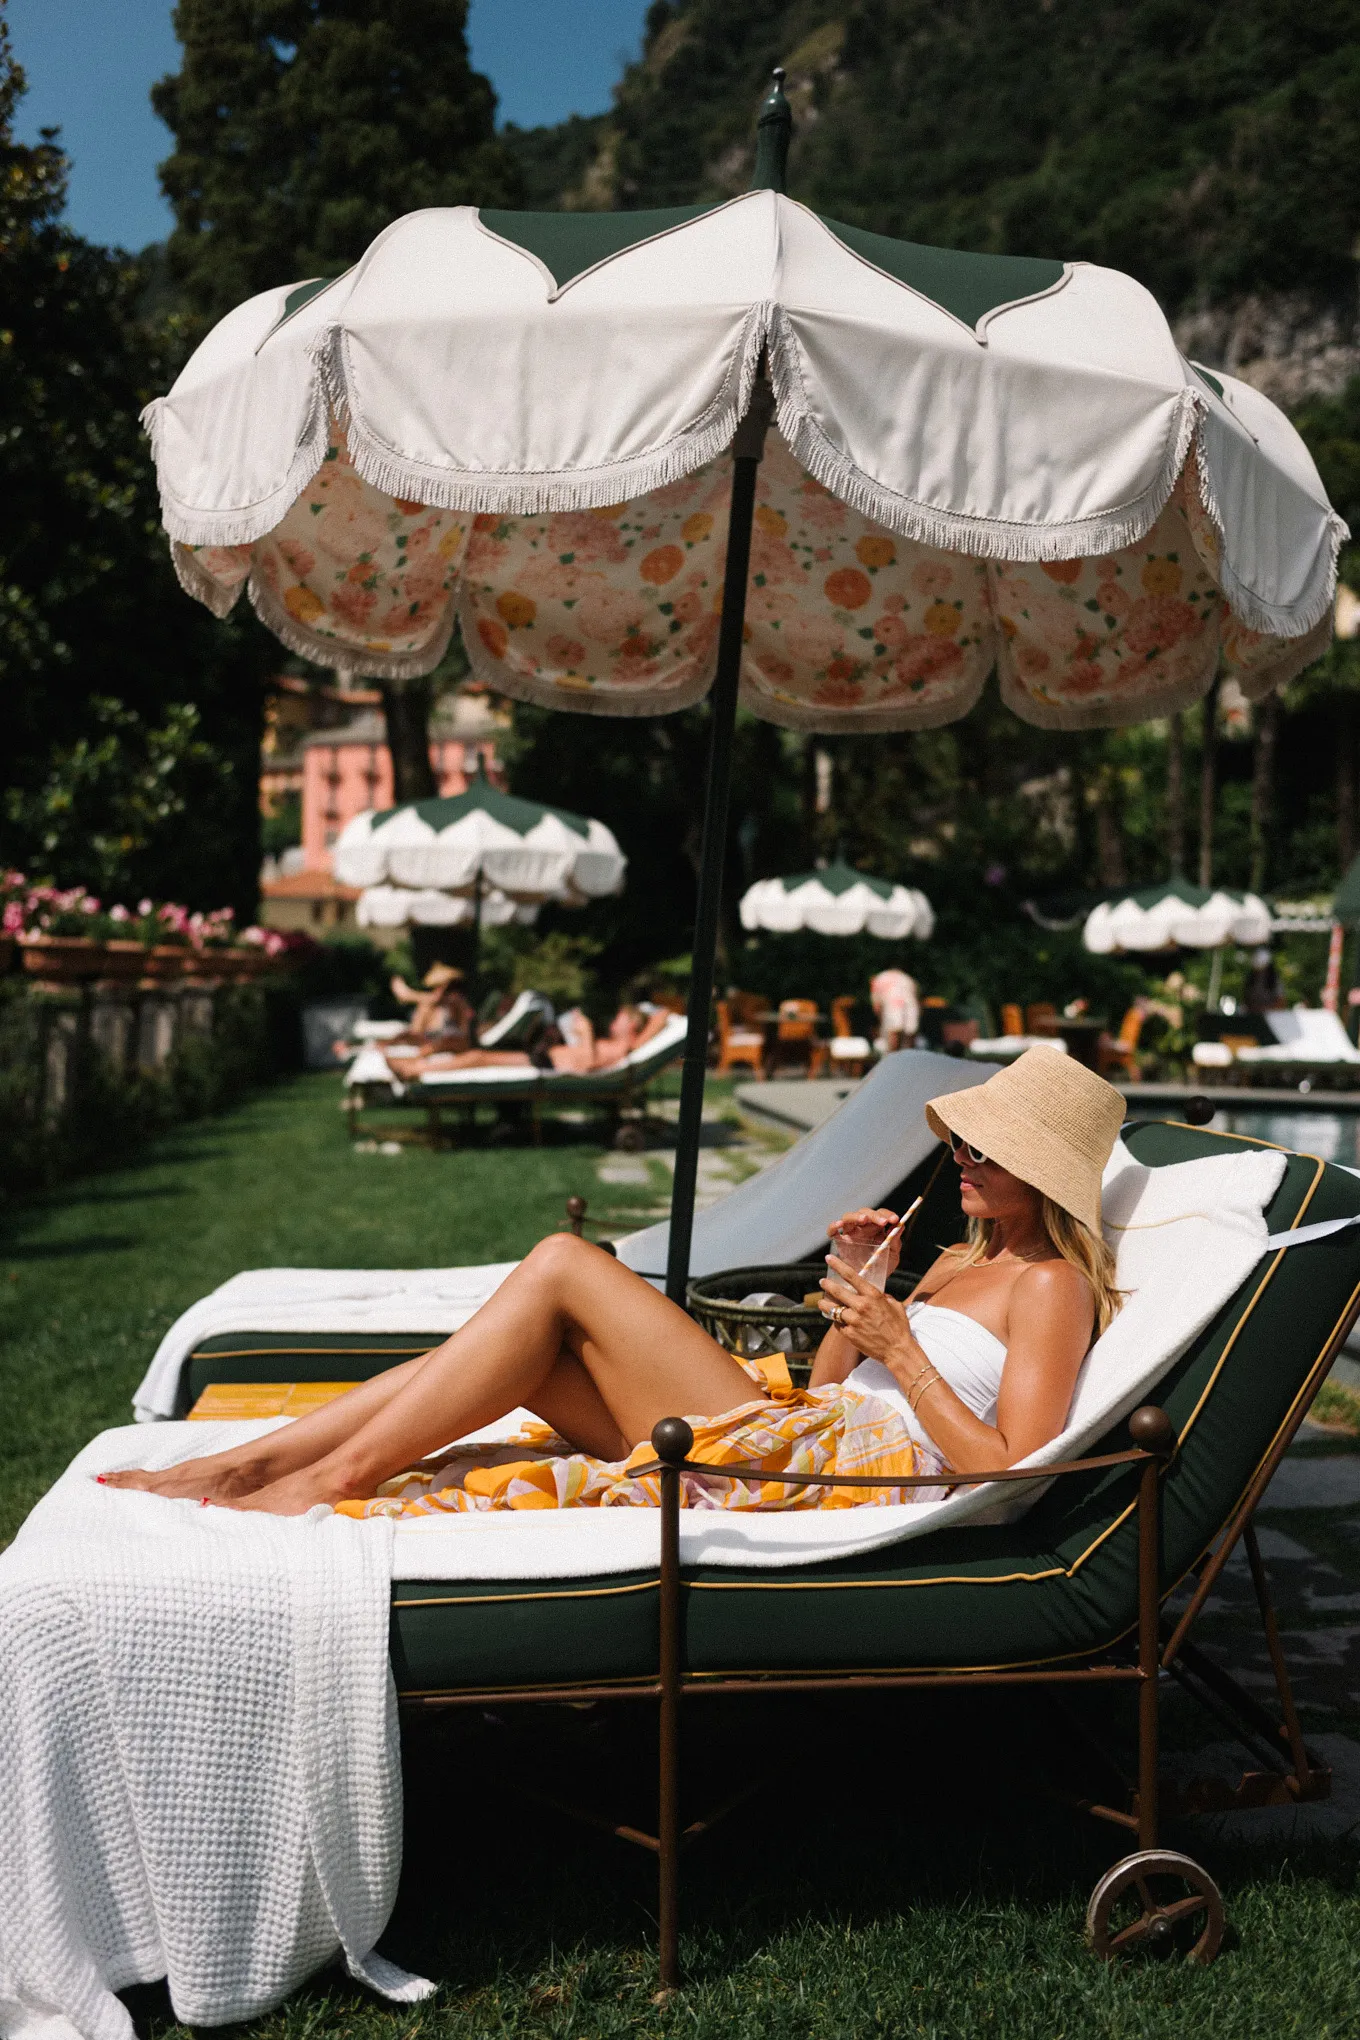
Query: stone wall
[(86, 1071)]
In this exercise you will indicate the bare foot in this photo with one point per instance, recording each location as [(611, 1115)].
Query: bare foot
[(213, 1480), (295, 1493)]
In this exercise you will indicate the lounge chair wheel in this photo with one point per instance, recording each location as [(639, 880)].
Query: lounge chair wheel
[(630, 1139), (1156, 1903)]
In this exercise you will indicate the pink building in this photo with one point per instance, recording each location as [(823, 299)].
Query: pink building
[(347, 770)]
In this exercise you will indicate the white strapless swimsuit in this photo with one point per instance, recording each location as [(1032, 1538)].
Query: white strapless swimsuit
[(963, 1352)]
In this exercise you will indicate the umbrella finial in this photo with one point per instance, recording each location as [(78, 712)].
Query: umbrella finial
[(774, 131)]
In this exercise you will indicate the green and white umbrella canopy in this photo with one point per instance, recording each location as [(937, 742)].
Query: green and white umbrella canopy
[(402, 906), (481, 842), (523, 420), (837, 900), (1176, 915)]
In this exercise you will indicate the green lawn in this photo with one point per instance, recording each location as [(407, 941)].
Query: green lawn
[(856, 1893)]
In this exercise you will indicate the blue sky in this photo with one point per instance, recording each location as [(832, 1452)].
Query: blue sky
[(91, 63)]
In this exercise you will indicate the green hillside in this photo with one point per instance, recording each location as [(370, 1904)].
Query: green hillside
[(1207, 146)]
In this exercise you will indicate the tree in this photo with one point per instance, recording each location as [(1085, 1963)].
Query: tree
[(302, 128), (88, 600)]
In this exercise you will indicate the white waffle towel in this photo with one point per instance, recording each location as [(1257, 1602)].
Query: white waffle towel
[(199, 1761)]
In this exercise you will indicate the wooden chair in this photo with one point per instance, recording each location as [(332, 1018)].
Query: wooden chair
[(849, 1051), (1012, 1019), (1118, 1053), (1041, 1018), (738, 1047), (796, 1038)]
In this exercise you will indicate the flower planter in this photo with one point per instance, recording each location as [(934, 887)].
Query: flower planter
[(166, 964), (61, 959), (122, 962)]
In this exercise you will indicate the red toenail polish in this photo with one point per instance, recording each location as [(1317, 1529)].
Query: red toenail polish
[(102, 1478)]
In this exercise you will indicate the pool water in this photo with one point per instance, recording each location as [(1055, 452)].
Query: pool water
[(1333, 1136)]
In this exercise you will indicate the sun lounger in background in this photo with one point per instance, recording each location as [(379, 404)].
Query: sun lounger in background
[(1307, 1036), (620, 1092), (1006, 1047)]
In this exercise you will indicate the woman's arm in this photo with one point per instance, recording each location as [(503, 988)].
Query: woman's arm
[(1049, 1331)]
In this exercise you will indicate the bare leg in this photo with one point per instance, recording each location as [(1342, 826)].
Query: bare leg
[(225, 1475), (645, 1358)]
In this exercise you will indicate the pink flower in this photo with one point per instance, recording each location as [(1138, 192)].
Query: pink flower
[(1157, 622), (299, 558), (590, 537), (1083, 676), (932, 577), (352, 605), (14, 918), (119, 914)]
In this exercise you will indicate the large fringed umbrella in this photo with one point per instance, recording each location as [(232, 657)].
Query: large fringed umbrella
[(552, 426), (837, 900)]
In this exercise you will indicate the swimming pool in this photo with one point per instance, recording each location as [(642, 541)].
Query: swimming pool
[(1333, 1136)]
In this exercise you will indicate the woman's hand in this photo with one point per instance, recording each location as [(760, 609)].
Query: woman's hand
[(870, 1227), (873, 1323)]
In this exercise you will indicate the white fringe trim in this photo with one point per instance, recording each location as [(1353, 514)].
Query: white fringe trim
[(244, 525), (1272, 619), (196, 582), (950, 530), (620, 706), (355, 661), (529, 495)]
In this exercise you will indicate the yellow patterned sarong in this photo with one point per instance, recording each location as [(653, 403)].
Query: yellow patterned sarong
[(830, 1430)]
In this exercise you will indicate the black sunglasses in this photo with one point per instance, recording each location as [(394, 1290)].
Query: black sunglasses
[(963, 1150)]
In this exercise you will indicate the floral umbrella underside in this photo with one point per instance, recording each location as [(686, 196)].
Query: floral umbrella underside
[(1176, 916), (1042, 486), (837, 901)]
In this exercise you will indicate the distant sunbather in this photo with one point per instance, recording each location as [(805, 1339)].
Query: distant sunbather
[(577, 1054), (976, 1374)]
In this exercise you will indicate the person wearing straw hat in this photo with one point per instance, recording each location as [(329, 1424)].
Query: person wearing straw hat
[(986, 1361), (975, 1373)]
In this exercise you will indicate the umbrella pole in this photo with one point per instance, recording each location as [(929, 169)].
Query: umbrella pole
[(474, 974), (747, 449)]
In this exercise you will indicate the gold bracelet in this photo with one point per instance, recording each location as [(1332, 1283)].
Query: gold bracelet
[(913, 1400)]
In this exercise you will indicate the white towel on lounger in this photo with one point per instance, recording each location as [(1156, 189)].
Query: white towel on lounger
[(199, 1761)]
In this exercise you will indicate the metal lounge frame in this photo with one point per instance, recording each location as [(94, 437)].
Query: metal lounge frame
[(1156, 1648)]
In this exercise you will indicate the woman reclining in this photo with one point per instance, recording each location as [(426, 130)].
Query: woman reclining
[(976, 1372), (578, 1053)]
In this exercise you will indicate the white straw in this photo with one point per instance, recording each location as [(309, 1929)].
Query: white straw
[(888, 1238)]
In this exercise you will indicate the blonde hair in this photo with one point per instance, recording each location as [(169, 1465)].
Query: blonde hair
[(1074, 1242)]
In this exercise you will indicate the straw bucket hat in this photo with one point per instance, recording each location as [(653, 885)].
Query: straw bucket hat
[(1047, 1119)]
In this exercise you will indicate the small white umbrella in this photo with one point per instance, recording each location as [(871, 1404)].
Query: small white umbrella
[(1176, 916), (400, 906), (481, 842), (837, 901)]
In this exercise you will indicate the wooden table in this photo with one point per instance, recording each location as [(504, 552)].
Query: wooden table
[(1081, 1035)]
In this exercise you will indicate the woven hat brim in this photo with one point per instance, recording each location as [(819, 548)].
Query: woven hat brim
[(1009, 1130)]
